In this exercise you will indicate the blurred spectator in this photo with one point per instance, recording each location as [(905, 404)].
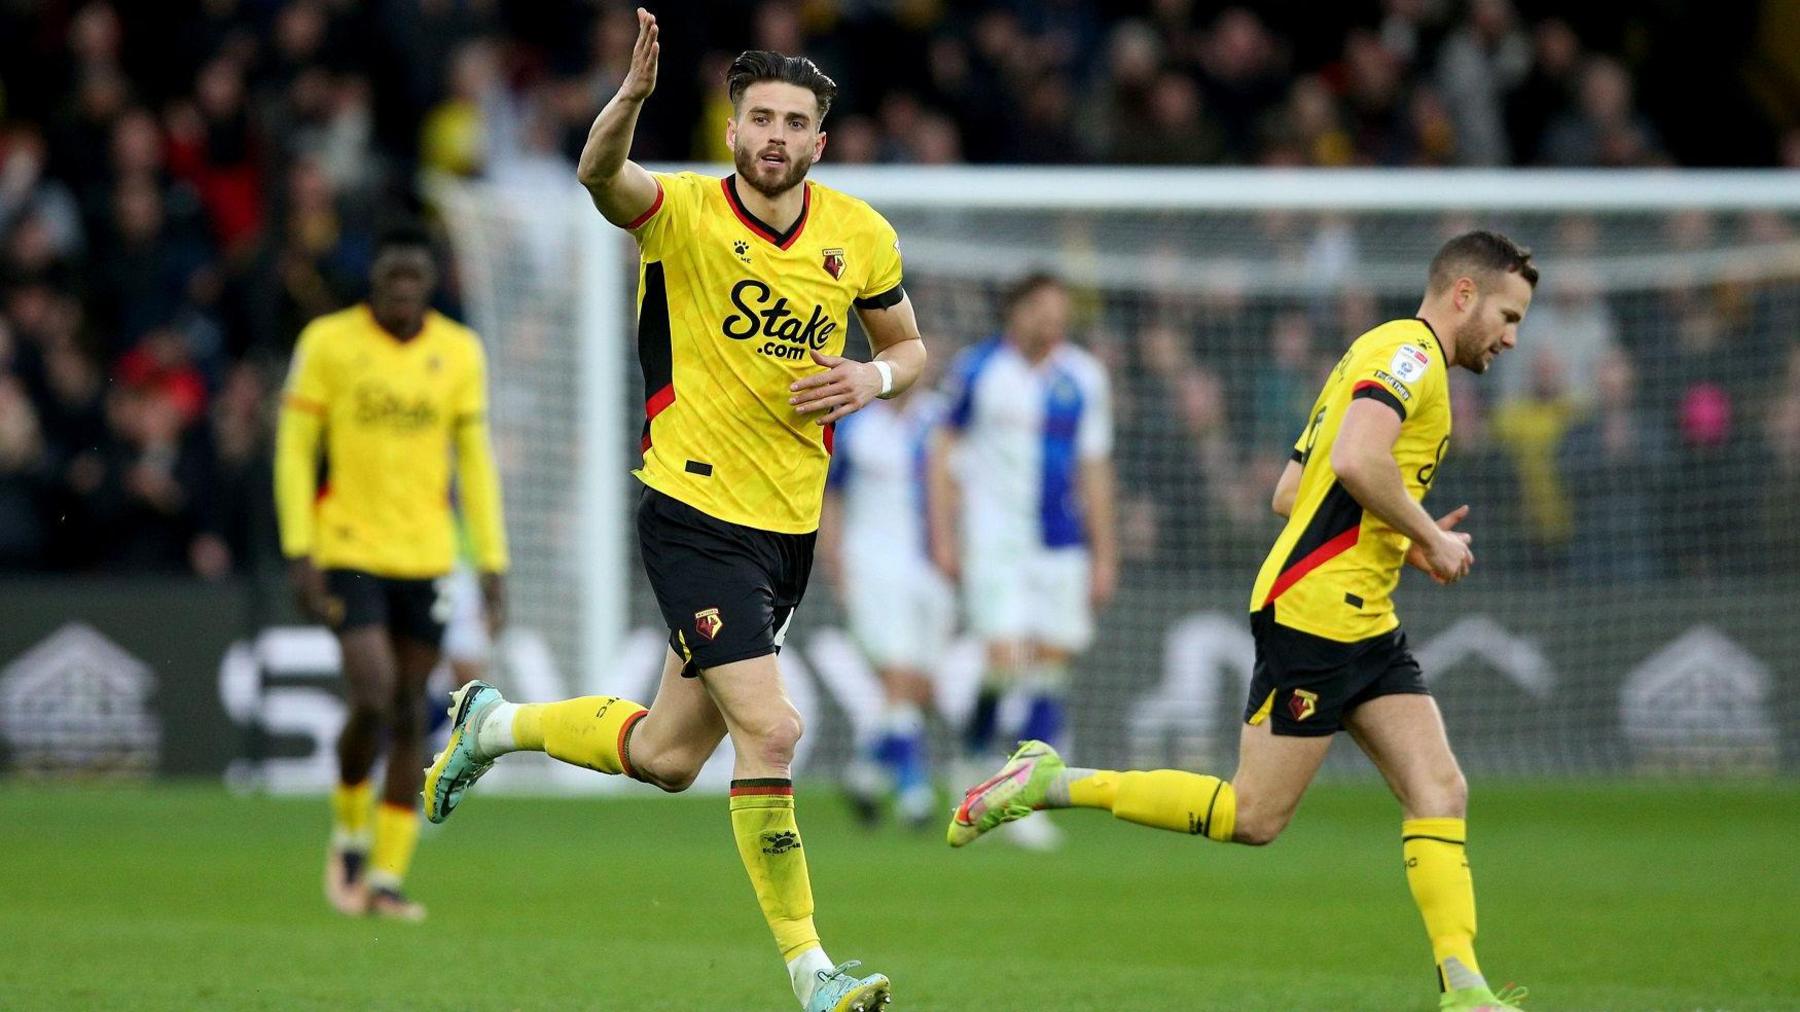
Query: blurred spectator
[(1172, 130), (1781, 512), (213, 147), (453, 138), (1570, 320), (142, 272), (1316, 125), (238, 523), (1531, 428), (26, 190), (1286, 382), (1243, 74), (1615, 466), (1550, 87), (151, 496), (1483, 59), (1603, 126), (1478, 471), (161, 368), (25, 478)]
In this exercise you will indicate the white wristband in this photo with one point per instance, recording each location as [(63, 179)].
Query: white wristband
[(887, 377)]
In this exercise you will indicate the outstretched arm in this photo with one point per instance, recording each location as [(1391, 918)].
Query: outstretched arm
[(621, 189)]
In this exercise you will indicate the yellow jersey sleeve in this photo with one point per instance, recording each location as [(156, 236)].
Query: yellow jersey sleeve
[(309, 379), (304, 405), (670, 217), (882, 289), (1398, 373), (478, 479)]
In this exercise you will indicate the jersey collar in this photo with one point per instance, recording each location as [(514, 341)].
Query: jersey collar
[(1435, 337), (392, 338), (767, 232)]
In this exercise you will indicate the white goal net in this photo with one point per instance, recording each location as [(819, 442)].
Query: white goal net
[(1633, 468)]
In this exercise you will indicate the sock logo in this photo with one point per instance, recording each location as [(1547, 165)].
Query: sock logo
[(1302, 704), (708, 623), (780, 842)]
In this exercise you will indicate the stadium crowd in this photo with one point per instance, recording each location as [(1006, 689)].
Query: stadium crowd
[(179, 194)]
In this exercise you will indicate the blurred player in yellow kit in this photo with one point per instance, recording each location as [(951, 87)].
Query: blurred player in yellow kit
[(1330, 655), (380, 398)]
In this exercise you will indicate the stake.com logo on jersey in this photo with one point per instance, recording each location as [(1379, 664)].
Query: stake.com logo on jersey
[(788, 337)]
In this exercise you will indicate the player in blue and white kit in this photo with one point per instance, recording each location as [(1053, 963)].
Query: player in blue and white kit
[(874, 543), (1023, 487)]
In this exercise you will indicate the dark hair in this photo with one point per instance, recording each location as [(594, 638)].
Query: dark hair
[(1029, 285), (754, 66), (403, 235), (1480, 251)]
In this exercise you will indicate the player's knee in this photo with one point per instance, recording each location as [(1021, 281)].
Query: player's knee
[(670, 773), (775, 738), (1444, 796), (1258, 826)]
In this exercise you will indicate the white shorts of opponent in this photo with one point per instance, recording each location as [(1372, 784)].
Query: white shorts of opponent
[(1039, 595), (902, 616), (465, 632)]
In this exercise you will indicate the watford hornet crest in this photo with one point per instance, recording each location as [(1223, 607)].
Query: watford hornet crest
[(834, 263), (708, 623)]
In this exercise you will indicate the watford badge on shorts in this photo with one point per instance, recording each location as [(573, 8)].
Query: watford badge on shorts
[(1302, 704), (834, 263), (708, 623)]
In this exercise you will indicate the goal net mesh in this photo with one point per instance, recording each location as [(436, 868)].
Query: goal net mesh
[(1633, 467)]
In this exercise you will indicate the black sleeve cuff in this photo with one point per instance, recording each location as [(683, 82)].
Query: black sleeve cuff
[(891, 297), (1297, 457), (1382, 394)]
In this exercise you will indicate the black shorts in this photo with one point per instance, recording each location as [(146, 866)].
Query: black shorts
[(415, 609), (1305, 684), (726, 591)]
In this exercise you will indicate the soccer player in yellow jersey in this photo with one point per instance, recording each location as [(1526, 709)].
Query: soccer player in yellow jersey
[(1330, 655), (744, 293), (390, 391)]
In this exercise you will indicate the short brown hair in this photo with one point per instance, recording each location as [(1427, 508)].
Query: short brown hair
[(754, 66), (1027, 286), (1480, 251)]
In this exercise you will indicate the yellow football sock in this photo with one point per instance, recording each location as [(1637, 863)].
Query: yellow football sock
[(396, 837), (1166, 799), (589, 731), (350, 804), (1437, 869), (768, 839)]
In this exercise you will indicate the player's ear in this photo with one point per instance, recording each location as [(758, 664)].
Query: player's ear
[(819, 147), (1465, 292), (731, 130)]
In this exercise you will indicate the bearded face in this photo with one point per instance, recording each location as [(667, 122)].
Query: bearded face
[(775, 136), (772, 169)]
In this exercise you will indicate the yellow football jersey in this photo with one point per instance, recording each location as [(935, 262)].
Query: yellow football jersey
[(392, 415), (1334, 568), (728, 310)]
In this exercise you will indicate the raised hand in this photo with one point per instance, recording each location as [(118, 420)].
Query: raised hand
[(640, 80)]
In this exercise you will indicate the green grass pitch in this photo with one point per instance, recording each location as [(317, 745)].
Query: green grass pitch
[(1617, 896)]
